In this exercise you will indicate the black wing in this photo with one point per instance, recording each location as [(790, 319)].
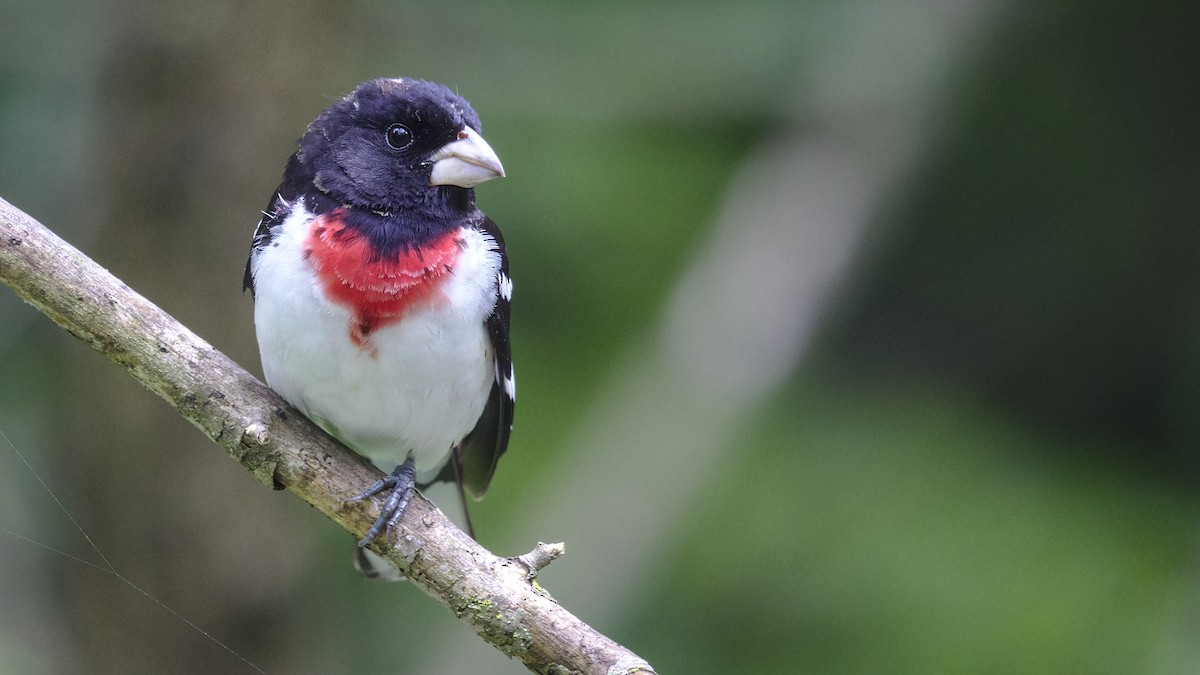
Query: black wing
[(475, 458), (273, 217), (297, 185)]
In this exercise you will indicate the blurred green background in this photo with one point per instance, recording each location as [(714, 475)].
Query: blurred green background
[(852, 337)]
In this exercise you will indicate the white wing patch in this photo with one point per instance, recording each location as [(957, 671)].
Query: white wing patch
[(510, 384), (506, 286)]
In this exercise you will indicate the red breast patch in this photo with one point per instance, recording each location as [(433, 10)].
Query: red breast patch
[(377, 290)]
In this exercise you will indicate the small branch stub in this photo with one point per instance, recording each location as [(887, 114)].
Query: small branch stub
[(256, 434), (631, 666), (543, 554)]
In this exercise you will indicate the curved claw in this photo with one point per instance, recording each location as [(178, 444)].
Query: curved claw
[(401, 483)]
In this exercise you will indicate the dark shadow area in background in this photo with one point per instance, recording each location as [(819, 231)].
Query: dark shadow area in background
[(1047, 258)]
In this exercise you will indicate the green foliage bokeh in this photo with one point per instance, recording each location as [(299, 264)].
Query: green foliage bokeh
[(980, 459)]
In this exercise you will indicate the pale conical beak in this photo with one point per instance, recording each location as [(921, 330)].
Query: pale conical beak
[(466, 162)]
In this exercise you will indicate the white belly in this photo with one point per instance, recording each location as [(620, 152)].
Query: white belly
[(418, 389)]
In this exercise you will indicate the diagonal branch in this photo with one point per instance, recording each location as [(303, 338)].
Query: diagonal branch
[(494, 595)]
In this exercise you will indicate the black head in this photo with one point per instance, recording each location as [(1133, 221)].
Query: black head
[(397, 144)]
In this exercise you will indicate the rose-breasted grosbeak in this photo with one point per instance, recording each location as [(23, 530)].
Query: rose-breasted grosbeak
[(382, 293)]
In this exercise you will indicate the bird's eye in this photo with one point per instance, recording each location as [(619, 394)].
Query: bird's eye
[(399, 136)]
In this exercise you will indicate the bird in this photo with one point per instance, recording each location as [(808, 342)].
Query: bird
[(382, 293)]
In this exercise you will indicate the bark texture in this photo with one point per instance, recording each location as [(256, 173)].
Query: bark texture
[(495, 596)]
